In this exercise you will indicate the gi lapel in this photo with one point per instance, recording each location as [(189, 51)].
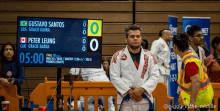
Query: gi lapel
[(139, 72), (191, 49), (166, 44), (130, 61), (201, 54)]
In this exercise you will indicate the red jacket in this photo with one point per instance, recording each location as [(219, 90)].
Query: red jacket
[(213, 68)]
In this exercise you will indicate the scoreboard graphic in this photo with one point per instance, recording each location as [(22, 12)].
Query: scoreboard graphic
[(63, 42)]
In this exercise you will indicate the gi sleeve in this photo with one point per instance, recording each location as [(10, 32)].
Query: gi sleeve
[(151, 83), (115, 71), (154, 48)]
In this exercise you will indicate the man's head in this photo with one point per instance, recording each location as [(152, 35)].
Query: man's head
[(167, 35), (203, 44), (195, 35), (133, 36)]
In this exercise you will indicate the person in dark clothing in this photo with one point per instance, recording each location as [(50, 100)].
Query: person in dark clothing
[(144, 44), (8, 64)]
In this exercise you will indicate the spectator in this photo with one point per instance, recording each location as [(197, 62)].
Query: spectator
[(212, 62)]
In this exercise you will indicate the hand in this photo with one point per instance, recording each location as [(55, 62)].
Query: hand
[(205, 68), (133, 95), (191, 107), (101, 107), (132, 88), (138, 91), (210, 63), (12, 81), (130, 92), (139, 99), (72, 108), (5, 82)]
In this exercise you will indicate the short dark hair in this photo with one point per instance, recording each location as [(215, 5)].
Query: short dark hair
[(133, 27), (216, 40), (160, 33), (3, 49), (191, 30), (181, 41), (144, 44)]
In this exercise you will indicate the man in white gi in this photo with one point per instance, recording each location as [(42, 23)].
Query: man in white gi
[(161, 50), (134, 73), (93, 74)]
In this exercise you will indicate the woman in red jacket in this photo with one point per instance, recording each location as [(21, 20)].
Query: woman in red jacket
[(212, 62)]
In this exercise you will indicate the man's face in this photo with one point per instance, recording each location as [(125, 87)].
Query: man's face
[(203, 44), (169, 36), (198, 38), (134, 39)]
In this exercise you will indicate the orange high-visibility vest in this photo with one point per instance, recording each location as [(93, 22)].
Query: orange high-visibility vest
[(205, 94)]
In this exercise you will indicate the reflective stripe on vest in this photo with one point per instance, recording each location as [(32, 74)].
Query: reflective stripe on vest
[(205, 81), (200, 86)]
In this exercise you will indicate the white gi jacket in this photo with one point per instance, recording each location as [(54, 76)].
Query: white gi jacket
[(123, 73), (201, 53), (161, 51), (90, 74)]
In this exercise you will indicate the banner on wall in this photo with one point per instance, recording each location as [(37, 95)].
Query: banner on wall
[(203, 22), (172, 84)]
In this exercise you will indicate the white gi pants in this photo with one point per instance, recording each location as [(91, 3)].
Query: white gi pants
[(133, 106)]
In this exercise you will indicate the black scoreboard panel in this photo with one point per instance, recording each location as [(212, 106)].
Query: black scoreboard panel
[(59, 42)]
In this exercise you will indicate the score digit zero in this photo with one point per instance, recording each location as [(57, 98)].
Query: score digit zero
[(96, 46)]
